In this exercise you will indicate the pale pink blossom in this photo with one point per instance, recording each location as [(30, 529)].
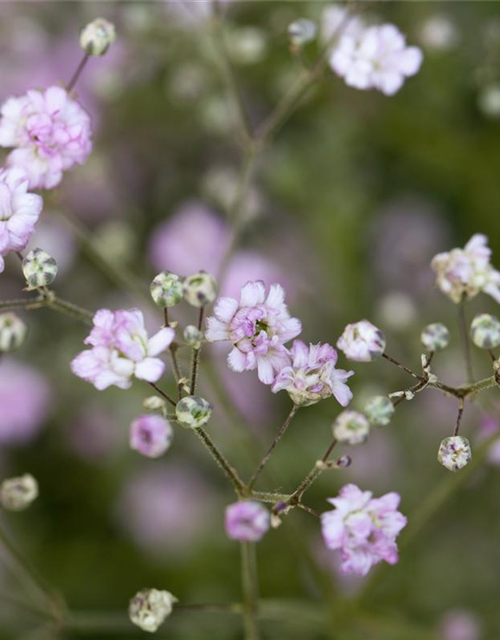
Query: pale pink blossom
[(258, 326), (363, 528), (362, 341), (50, 133), (121, 350), (311, 376), (460, 624), (375, 58), (151, 435), (247, 521), (19, 212), (463, 273)]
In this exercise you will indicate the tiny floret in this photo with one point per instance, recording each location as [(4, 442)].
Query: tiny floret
[(17, 494), (485, 331), (149, 608), (193, 412), (435, 337), (193, 336), (154, 403), (39, 269), (200, 289), (301, 32), (97, 37), (454, 453), (167, 289), (247, 521), (12, 332), (379, 410), (351, 427), (151, 435), (362, 341)]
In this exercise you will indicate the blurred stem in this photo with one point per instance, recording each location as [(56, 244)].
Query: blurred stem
[(459, 417), (78, 72), (402, 367), (162, 393), (51, 301), (220, 459), (464, 335), (196, 355), (250, 587), (312, 476)]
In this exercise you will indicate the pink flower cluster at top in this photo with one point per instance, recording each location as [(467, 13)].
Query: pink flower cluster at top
[(121, 350), (363, 528)]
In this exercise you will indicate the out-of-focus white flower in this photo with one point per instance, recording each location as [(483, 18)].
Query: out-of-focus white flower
[(489, 100), (149, 608), (16, 494), (439, 33)]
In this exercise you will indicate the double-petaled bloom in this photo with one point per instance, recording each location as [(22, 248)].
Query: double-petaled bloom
[(362, 341), (258, 326), (50, 133), (311, 376), (120, 350)]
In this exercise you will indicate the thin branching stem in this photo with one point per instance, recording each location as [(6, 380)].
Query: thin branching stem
[(464, 336), (249, 582), (196, 355), (221, 460)]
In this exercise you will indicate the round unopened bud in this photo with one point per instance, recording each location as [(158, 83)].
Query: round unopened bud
[(454, 453), (302, 31), (351, 427), (193, 336), (97, 37), (379, 411), (362, 341), (16, 494), (435, 336), (343, 462), (193, 412), (12, 332), (200, 289), (154, 403), (166, 289), (485, 331), (149, 608), (39, 268)]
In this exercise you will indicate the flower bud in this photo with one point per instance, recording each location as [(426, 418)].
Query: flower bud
[(454, 453), (200, 289), (12, 332), (193, 336), (97, 37), (154, 403), (485, 331), (362, 341), (435, 336), (351, 427), (149, 608), (379, 410), (39, 268), (16, 494), (166, 289), (151, 435), (247, 521), (193, 412), (301, 31)]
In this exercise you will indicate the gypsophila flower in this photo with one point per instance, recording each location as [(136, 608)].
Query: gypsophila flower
[(154, 403), (301, 32), (351, 427), (193, 412), (200, 289), (257, 326), (362, 341), (151, 435), (17, 494), (167, 289), (485, 331), (19, 212), (97, 36), (375, 58), (247, 521), (363, 528), (435, 336), (463, 273), (121, 350), (379, 410), (50, 133), (39, 269), (12, 332), (311, 376), (454, 453), (149, 608), (193, 336)]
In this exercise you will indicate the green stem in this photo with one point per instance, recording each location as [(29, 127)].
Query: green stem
[(220, 459), (249, 583), (464, 335), (311, 477), (196, 356)]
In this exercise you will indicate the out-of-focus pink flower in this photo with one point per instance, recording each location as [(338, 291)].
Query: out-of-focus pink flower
[(258, 326), (121, 350), (24, 400), (96, 435), (489, 426), (363, 528), (375, 58), (463, 273), (311, 376), (247, 521), (151, 435), (459, 624), (362, 341), (56, 239), (19, 212), (50, 133)]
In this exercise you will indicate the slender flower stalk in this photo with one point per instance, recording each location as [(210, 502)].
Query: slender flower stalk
[(249, 582), (196, 355), (464, 336), (78, 71), (220, 459)]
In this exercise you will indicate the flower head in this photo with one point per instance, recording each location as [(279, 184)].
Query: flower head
[(19, 212), (247, 521), (120, 350), (454, 453), (16, 494), (435, 336), (258, 326), (485, 331), (39, 269), (50, 132), (193, 412), (351, 427), (363, 528), (12, 332), (311, 376), (379, 410), (150, 435), (149, 608), (463, 273), (362, 341)]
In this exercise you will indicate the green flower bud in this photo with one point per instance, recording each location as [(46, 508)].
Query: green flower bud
[(454, 453), (302, 31), (154, 403), (39, 268), (193, 412), (200, 289), (16, 494), (379, 410), (149, 608), (166, 289), (351, 427), (485, 331), (12, 332), (193, 336), (97, 37), (435, 337)]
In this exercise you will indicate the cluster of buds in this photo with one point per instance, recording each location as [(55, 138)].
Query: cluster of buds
[(149, 608), (198, 289), (39, 269), (12, 332), (17, 494)]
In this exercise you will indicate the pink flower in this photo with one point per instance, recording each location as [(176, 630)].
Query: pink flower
[(310, 376), (460, 624), (363, 528), (151, 435), (19, 212), (247, 521), (50, 132), (121, 350), (362, 341), (258, 327), (375, 58)]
